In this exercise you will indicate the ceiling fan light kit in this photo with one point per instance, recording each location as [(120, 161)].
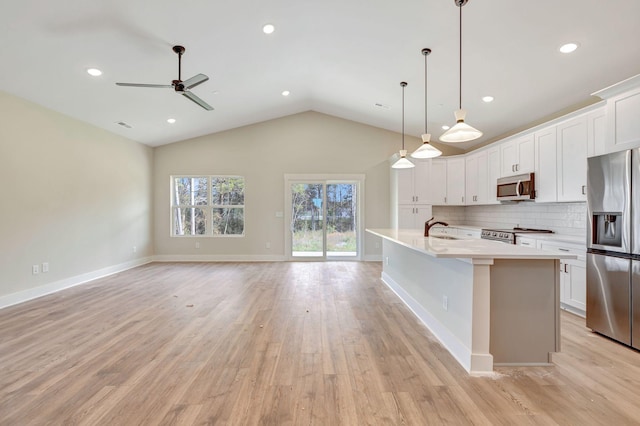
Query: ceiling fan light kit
[(403, 163), (460, 132), (426, 150), (178, 85)]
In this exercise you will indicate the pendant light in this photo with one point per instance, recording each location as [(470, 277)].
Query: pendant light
[(403, 163), (426, 150), (461, 131)]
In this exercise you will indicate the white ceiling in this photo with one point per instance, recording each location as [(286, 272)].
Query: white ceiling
[(338, 57)]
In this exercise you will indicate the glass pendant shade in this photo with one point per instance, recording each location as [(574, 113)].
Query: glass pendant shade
[(461, 132), (402, 162), (426, 150)]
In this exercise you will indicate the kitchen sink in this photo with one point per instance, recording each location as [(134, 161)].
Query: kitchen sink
[(444, 237)]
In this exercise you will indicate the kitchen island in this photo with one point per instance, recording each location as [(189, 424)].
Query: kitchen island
[(489, 303)]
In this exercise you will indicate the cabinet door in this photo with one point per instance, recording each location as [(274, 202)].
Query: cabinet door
[(572, 160), (493, 170), (545, 149), (405, 185), (471, 185), (421, 181), (482, 193), (623, 126), (413, 217), (526, 154), (596, 132), (438, 182), (509, 155), (577, 296), (455, 181)]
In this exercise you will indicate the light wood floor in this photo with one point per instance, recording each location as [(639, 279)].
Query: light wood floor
[(277, 344)]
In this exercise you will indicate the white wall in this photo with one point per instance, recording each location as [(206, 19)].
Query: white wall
[(73, 195), (305, 143), (562, 218)]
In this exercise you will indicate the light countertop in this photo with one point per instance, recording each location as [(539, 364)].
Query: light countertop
[(463, 248)]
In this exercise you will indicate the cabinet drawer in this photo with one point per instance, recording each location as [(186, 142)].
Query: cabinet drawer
[(527, 242), (576, 249)]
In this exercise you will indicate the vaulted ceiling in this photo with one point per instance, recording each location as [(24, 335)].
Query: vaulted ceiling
[(339, 57)]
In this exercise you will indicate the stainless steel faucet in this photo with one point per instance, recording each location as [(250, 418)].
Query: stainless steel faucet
[(428, 224)]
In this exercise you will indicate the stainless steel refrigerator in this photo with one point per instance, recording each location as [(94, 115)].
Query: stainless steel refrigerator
[(613, 246)]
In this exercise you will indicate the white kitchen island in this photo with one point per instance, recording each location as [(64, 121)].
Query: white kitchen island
[(489, 303)]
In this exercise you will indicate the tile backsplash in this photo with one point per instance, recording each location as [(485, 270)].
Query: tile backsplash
[(562, 218)]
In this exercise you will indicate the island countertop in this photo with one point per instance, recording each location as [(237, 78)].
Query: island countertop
[(463, 248)]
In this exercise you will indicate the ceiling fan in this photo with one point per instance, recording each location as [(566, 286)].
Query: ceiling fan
[(183, 87)]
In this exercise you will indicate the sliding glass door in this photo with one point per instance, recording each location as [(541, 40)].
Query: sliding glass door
[(323, 219)]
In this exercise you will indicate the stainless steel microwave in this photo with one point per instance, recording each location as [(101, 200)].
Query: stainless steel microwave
[(516, 188)]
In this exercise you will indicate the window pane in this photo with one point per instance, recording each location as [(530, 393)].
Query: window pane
[(227, 191), (191, 191), (189, 221), (228, 221)]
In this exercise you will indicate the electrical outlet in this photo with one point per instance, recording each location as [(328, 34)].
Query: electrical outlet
[(135, 249), (377, 245), (45, 267), (268, 245), (386, 260), (445, 303), (197, 245), (35, 269)]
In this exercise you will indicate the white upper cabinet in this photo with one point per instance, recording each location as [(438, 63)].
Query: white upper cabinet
[(622, 114), (572, 159), (477, 178), (413, 184), (493, 173), (596, 132), (438, 181), (518, 155), (545, 168), (455, 181)]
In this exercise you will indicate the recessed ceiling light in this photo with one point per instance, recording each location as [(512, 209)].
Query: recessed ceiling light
[(568, 48), (94, 72), (445, 127), (268, 29), (171, 120), (286, 93), (487, 99)]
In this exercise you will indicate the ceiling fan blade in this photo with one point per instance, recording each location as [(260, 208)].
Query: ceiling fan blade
[(194, 81), (145, 85), (197, 100)]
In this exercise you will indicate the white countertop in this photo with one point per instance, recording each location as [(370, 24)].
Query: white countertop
[(463, 248)]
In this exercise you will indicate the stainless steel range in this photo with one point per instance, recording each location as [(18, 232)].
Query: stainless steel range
[(509, 235)]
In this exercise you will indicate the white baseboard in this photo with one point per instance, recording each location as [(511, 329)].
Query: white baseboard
[(217, 258), (43, 290)]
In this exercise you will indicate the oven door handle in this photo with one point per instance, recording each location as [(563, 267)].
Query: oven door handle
[(518, 185)]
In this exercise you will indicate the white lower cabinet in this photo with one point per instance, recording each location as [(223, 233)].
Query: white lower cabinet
[(573, 276), (413, 216)]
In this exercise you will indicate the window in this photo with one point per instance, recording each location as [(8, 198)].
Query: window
[(207, 205)]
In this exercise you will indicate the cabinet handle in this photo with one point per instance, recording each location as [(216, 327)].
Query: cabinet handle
[(416, 198), (562, 249), (584, 189), (565, 268), (525, 244), (445, 200), (462, 199), (513, 167)]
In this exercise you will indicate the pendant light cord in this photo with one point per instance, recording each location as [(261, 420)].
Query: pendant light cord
[(425, 93), (460, 61), (403, 84)]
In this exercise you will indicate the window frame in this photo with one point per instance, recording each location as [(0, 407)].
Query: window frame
[(208, 207)]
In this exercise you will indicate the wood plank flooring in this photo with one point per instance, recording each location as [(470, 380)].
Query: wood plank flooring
[(279, 344)]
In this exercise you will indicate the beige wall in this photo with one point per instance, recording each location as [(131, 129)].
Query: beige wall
[(305, 143), (73, 195)]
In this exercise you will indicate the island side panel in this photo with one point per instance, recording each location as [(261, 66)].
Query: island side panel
[(525, 327), (423, 282)]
